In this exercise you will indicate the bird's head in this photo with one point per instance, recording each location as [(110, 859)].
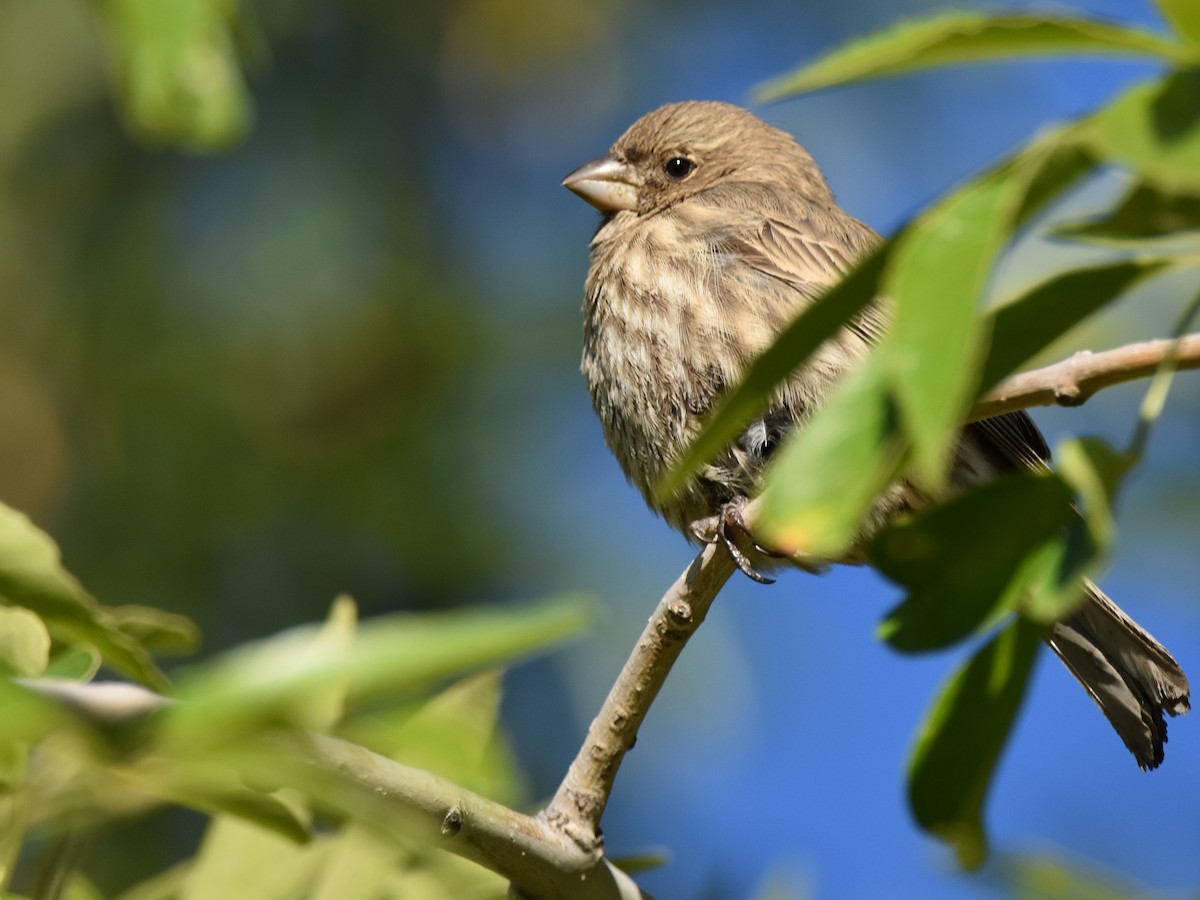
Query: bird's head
[(683, 149)]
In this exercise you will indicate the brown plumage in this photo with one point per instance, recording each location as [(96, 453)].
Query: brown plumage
[(717, 230)]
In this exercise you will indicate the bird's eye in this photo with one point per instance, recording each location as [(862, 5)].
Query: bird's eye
[(678, 167)]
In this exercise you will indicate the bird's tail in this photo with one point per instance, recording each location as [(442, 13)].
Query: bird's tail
[(1130, 675)]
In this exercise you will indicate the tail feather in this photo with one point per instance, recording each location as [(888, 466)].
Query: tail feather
[(1130, 675)]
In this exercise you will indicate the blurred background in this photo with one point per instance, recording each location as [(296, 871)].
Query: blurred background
[(332, 345)]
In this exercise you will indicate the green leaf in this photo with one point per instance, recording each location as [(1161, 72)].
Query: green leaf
[(793, 346), (963, 735), (156, 629), (816, 518), (32, 576), (1154, 129), (237, 859), (964, 563), (1054, 576), (936, 276), (643, 861), (274, 681), (1047, 576), (1095, 470), (24, 643), (176, 70), (79, 887), (1024, 326), (1146, 216), (211, 795), (326, 705), (1062, 157), (28, 716), (1044, 877), (1184, 18), (165, 885), (357, 866), (453, 735), (963, 37), (78, 663)]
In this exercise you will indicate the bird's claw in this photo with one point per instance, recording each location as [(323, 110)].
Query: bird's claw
[(725, 527)]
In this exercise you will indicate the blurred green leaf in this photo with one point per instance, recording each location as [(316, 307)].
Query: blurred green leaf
[(963, 735), (778, 887), (156, 629), (1051, 575), (176, 70), (357, 867), (28, 716), (643, 861), (1094, 469), (78, 663), (1154, 129), (32, 576), (807, 332), (1146, 216), (166, 885), (443, 876), (963, 37), (266, 811), (966, 562), (1063, 157), (326, 705), (817, 517), (936, 275), (453, 734), (24, 643), (1183, 16), (237, 859), (275, 680), (1024, 326), (79, 887), (1045, 877)]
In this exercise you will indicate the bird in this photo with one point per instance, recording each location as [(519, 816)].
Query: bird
[(717, 229)]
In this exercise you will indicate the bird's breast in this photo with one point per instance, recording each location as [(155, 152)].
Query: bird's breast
[(658, 347)]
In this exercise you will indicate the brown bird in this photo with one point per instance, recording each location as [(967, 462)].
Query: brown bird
[(718, 229)]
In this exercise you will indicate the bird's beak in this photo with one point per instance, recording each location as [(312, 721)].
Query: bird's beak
[(606, 183)]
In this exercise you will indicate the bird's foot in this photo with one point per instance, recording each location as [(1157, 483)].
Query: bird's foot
[(726, 526)]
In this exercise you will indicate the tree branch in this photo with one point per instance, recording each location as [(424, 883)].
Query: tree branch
[(580, 800), (352, 781), (527, 850), (1073, 381)]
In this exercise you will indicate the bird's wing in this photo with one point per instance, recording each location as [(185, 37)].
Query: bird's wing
[(811, 254), (815, 253), (1015, 438)]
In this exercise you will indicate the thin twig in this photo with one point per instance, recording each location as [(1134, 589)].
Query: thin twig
[(1156, 394), (580, 800), (1073, 381)]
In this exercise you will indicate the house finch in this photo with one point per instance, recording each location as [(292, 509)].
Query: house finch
[(718, 229)]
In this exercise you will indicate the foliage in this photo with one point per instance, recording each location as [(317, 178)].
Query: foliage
[(1013, 546), (221, 746)]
